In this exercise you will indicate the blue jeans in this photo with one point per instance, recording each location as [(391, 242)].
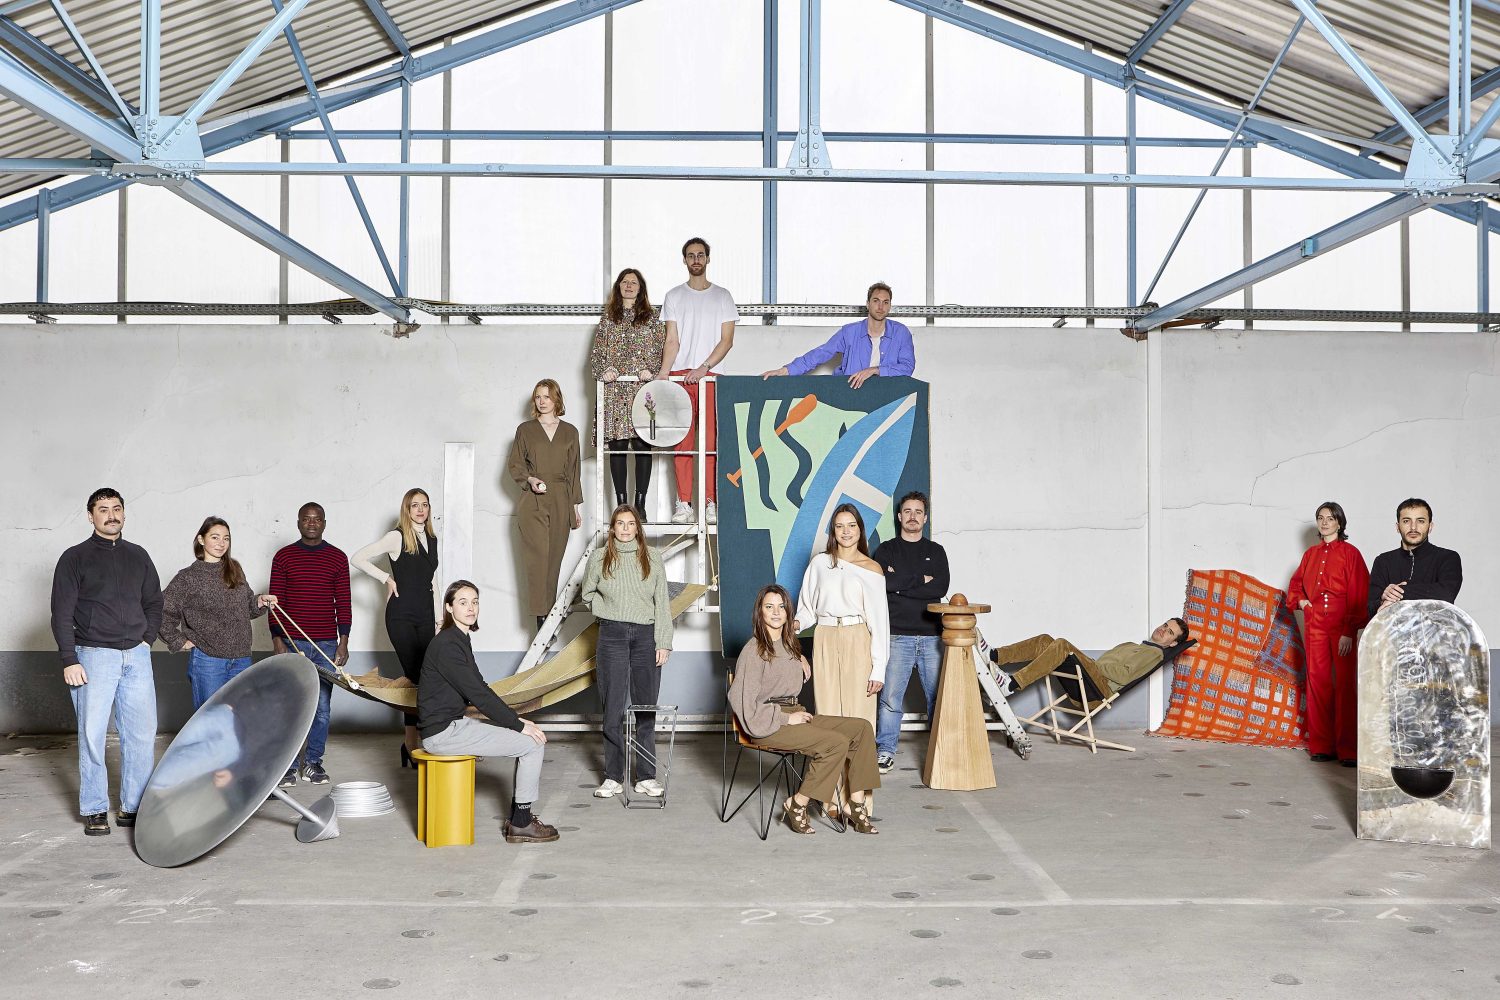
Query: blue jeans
[(209, 673), (317, 736), (925, 652), (118, 680)]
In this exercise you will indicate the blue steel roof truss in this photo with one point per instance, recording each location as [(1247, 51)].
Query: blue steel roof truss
[(150, 148)]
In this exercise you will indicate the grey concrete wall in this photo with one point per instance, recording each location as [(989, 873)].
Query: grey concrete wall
[(1040, 464)]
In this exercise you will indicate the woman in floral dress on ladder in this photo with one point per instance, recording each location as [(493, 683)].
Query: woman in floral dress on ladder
[(629, 341)]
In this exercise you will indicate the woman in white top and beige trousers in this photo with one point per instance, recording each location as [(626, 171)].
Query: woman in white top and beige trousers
[(843, 596)]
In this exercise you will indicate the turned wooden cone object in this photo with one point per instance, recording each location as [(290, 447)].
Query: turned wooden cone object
[(958, 750)]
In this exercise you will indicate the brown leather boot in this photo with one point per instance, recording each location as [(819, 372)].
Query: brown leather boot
[(535, 832)]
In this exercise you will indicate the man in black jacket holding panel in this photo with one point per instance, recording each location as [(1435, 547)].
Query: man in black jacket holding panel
[(916, 574), (1418, 570)]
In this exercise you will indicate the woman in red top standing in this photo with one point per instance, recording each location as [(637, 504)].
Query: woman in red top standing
[(1328, 588)]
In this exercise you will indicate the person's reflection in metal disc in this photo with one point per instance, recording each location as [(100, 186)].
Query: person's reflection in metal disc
[(226, 760)]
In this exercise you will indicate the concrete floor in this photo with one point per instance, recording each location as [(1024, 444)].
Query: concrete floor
[(1182, 870)]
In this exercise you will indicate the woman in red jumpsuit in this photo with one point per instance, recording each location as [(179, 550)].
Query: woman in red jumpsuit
[(1330, 587)]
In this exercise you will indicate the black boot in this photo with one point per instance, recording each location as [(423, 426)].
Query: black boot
[(619, 498), (540, 621), (640, 504)]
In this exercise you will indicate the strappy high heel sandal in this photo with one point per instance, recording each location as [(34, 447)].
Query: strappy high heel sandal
[(796, 816), (859, 817)]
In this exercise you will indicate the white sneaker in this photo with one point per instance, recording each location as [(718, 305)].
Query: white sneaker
[(650, 787), (609, 789), (683, 513), (711, 512)]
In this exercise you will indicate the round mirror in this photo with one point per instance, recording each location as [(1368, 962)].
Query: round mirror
[(226, 760), (661, 413)]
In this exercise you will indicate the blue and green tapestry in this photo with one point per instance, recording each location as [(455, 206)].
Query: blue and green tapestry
[(790, 451)]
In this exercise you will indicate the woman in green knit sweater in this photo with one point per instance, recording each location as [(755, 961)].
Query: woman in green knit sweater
[(625, 586)]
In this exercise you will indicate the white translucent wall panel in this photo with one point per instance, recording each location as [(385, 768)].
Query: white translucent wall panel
[(872, 76), (556, 81), (1002, 245), (527, 239), (323, 215), (1443, 255), (84, 254), (167, 238), (652, 219), (982, 86), (837, 239), (18, 275), (687, 66)]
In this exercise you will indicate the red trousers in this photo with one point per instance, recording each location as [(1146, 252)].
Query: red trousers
[(683, 465), (1332, 690)]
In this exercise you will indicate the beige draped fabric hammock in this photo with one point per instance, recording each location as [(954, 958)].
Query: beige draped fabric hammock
[(558, 679)]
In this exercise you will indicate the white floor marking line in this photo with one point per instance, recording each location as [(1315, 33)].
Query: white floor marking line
[(1013, 852), (1343, 902), (508, 893)]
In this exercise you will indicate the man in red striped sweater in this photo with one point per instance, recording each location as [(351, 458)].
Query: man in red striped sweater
[(310, 577)]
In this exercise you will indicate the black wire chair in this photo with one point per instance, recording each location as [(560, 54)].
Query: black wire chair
[(784, 773)]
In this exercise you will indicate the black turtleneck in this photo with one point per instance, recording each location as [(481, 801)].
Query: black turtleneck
[(104, 593), (1430, 574)]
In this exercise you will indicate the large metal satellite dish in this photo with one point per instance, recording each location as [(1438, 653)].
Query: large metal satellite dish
[(227, 760)]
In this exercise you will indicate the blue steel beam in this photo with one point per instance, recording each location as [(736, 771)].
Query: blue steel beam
[(769, 139), (1362, 69), (810, 149), (39, 52), (388, 25), (150, 63), (237, 218), (125, 108), (510, 35), (1366, 222), (338, 151), (594, 171), (237, 67), (662, 135), (1153, 34), (1483, 84), (1167, 94), (1224, 155), (1480, 128), (26, 89), (1460, 65), (43, 242), (245, 127)]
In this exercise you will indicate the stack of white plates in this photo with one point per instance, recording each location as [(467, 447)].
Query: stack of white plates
[(356, 799)]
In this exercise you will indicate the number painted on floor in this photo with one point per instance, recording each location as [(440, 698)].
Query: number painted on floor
[(1334, 915), (198, 914), (144, 915), (812, 918)]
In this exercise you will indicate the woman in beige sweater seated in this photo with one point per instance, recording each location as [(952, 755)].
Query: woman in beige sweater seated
[(767, 678)]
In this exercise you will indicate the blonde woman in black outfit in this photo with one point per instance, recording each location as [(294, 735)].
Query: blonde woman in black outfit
[(411, 604), (451, 682)]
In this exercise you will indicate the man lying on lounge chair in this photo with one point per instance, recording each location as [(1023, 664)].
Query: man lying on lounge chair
[(1111, 671)]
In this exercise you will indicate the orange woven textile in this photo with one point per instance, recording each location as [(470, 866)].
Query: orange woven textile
[(1243, 681)]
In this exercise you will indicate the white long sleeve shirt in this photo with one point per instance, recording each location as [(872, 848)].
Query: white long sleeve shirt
[(389, 545), (841, 589)]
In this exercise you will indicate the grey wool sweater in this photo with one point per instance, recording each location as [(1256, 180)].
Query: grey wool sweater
[(624, 597), (199, 607)]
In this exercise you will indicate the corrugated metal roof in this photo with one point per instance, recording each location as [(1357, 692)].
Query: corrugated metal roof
[(199, 38), (1223, 47)]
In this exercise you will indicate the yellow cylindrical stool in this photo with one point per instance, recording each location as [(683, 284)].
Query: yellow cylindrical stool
[(445, 798)]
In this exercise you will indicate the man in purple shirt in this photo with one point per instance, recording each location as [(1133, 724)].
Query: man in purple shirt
[(871, 346)]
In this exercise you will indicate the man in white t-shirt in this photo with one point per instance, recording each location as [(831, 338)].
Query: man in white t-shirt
[(700, 320)]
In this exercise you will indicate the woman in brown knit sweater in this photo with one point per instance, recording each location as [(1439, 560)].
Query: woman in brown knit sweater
[(207, 609), (770, 672)]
